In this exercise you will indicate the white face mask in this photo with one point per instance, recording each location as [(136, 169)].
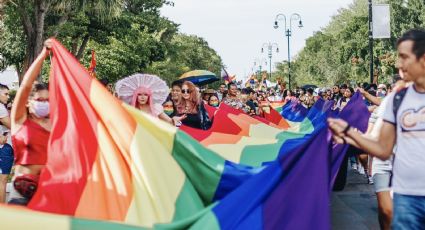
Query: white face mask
[(41, 109)]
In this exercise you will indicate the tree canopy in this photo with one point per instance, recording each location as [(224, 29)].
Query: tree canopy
[(127, 36), (339, 52)]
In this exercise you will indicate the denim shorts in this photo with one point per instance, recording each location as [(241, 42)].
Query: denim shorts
[(409, 212), (6, 159), (381, 182)]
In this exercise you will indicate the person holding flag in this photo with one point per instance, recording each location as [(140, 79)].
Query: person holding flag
[(30, 127)]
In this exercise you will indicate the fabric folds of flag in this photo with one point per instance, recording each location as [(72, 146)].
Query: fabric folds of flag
[(275, 117), (226, 77), (103, 162), (111, 166)]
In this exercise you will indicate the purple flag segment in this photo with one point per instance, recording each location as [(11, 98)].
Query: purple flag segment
[(294, 191), (301, 199)]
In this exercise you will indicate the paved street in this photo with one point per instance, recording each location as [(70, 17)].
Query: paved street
[(355, 207)]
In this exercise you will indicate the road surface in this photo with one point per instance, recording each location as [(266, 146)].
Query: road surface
[(355, 208)]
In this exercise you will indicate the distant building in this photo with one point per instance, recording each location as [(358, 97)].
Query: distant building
[(9, 77)]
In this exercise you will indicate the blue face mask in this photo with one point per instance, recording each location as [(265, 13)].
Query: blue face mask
[(214, 104), (381, 94)]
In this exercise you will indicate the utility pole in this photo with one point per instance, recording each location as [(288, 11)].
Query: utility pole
[(371, 72)]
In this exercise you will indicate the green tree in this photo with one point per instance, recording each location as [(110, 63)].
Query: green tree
[(339, 53), (139, 38), (34, 21), (188, 52), (25, 25), (128, 36)]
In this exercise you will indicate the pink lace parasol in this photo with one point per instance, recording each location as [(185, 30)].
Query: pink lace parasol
[(126, 87)]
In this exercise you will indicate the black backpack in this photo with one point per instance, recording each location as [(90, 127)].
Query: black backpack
[(398, 99)]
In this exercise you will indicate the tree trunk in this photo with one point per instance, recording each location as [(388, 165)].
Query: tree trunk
[(28, 30), (40, 14), (34, 31), (1, 9), (83, 47), (18, 67), (74, 45)]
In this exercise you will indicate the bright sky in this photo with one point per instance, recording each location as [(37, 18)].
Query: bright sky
[(237, 29)]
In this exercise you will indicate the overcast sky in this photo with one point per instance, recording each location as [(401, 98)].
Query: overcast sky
[(237, 29)]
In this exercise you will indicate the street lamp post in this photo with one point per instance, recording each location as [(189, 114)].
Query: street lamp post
[(270, 47), (260, 63), (288, 31), (370, 42)]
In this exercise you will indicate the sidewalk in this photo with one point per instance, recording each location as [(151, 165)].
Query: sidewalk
[(355, 207)]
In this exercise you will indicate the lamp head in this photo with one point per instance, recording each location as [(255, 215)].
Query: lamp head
[(276, 25), (300, 24)]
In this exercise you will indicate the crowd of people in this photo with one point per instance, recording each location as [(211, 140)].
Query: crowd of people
[(256, 100), (396, 140), (392, 123)]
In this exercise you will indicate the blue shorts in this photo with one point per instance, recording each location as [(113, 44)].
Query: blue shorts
[(409, 212), (6, 159)]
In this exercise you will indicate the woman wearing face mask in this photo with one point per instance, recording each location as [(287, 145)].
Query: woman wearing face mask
[(382, 91), (213, 101), (168, 107), (30, 132)]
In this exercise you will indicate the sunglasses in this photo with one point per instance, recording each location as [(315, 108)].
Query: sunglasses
[(186, 91)]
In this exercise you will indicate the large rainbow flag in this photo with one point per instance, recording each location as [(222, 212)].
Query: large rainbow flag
[(253, 141), (111, 166)]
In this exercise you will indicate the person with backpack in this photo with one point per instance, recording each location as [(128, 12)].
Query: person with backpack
[(403, 115)]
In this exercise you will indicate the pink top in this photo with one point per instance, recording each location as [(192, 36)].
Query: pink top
[(30, 144)]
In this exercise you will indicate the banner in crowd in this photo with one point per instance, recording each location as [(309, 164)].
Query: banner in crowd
[(112, 166)]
